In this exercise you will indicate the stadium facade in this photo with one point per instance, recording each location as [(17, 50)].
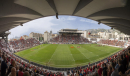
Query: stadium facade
[(36, 35), (93, 36), (69, 36)]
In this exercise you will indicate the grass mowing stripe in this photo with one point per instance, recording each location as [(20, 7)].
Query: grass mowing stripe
[(52, 55), (43, 55), (70, 52), (62, 55), (103, 55), (82, 54), (90, 52), (97, 49), (105, 49), (29, 51), (79, 58), (35, 51), (93, 50)]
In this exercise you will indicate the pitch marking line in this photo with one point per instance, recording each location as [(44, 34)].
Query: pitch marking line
[(83, 63), (71, 54), (101, 50), (52, 55), (91, 52), (55, 52), (69, 65), (36, 51), (36, 61), (83, 54)]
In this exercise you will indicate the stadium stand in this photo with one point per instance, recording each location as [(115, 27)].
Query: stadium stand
[(69, 36), (117, 64), (69, 39), (20, 66), (22, 44), (112, 42)]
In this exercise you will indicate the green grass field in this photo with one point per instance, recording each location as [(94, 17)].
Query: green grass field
[(62, 55)]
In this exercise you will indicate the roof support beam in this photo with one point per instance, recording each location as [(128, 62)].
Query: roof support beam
[(117, 25), (81, 4), (8, 5), (122, 22), (121, 30), (5, 25), (127, 3), (52, 4), (119, 12), (57, 15), (7, 20)]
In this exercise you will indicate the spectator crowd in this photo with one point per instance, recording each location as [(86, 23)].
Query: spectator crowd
[(22, 44), (116, 65), (66, 39), (112, 42)]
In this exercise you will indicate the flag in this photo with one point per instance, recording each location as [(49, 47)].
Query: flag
[(89, 33)]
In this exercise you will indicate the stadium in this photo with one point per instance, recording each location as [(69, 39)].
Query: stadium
[(70, 52)]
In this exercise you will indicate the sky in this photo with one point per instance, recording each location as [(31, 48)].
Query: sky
[(51, 23)]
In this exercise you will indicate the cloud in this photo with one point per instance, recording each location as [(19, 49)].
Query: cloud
[(67, 18), (71, 18), (51, 23), (39, 26), (62, 19), (89, 21)]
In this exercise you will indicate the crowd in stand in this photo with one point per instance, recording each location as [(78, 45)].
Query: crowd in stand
[(3, 43), (112, 42), (69, 39), (14, 66), (21, 44), (117, 65)]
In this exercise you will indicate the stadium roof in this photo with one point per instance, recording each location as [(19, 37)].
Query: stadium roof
[(69, 29), (68, 32), (114, 13)]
